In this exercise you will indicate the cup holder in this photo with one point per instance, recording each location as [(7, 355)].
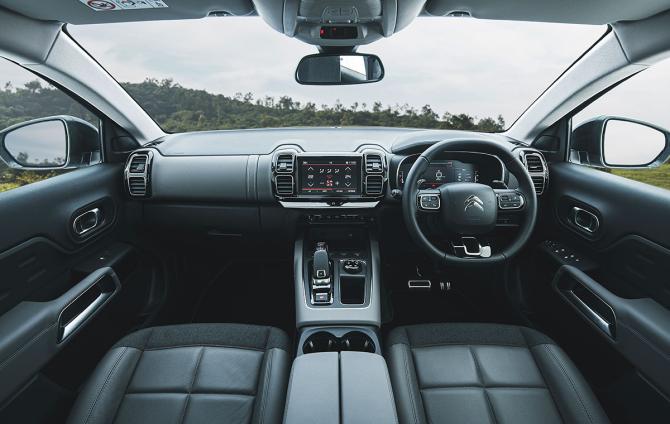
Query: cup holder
[(323, 341), (357, 341)]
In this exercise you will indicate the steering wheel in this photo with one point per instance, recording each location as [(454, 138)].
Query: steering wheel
[(469, 209)]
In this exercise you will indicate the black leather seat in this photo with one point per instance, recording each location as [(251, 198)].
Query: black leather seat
[(194, 373), (485, 373)]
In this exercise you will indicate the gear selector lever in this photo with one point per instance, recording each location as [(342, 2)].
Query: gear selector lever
[(321, 264), (322, 288)]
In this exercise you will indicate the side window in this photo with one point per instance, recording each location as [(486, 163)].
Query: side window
[(43, 131), (638, 152)]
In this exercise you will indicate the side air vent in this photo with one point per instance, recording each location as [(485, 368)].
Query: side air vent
[(374, 185), (374, 164), (537, 169), (137, 186), (284, 163), (138, 174), (284, 185)]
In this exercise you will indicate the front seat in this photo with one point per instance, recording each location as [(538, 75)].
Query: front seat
[(193, 373), (485, 373)]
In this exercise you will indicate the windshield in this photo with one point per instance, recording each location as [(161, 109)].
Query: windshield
[(230, 73)]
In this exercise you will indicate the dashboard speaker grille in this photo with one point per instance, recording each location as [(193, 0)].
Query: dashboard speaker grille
[(284, 185), (374, 185)]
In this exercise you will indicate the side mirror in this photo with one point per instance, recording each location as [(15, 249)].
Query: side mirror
[(55, 142), (612, 142), (336, 69)]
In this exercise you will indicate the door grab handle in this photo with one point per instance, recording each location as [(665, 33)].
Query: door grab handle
[(86, 221), (86, 304), (594, 316), (585, 220)]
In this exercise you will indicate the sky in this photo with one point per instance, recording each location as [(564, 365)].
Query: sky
[(483, 68)]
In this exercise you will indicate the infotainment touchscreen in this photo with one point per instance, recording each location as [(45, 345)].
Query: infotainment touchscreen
[(330, 176)]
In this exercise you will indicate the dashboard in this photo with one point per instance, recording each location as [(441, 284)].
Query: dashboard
[(249, 173)]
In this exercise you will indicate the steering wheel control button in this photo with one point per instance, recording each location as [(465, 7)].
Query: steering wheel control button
[(510, 200), (429, 201)]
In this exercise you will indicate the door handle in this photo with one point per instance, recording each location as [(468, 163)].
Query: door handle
[(87, 221), (585, 220)]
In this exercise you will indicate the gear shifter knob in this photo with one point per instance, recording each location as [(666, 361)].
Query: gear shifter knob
[(321, 262)]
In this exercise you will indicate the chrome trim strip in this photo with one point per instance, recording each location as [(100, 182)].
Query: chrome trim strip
[(327, 205)]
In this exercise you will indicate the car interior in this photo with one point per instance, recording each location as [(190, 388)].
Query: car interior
[(303, 273)]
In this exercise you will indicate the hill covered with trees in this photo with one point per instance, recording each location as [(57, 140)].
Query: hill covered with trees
[(177, 109)]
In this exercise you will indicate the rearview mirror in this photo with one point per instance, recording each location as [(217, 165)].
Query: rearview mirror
[(55, 142), (612, 142), (336, 69)]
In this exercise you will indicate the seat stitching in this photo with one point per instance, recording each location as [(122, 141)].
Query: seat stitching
[(472, 386), (572, 384), (481, 378), (190, 387), (266, 385), (130, 380), (104, 385), (205, 345), (551, 392), (25, 345), (419, 346), (153, 392), (409, 386)]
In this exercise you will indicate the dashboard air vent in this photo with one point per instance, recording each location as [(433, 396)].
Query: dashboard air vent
[(537, 169), (137, 186), (374, 164), (138, 172), (284, 185), (374, 185), (284, 163)]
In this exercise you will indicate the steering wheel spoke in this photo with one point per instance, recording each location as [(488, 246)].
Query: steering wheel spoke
[(428, 200)]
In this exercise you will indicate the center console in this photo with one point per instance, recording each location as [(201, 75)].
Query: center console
[(339, 374), (337, 272)]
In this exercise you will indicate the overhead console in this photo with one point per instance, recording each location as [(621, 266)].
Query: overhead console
[(338, 22), (336, 179)]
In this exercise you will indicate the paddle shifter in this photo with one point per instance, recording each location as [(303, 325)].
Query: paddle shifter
[(322, 283)]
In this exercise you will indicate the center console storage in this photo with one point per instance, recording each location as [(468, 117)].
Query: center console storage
[(340, 388)]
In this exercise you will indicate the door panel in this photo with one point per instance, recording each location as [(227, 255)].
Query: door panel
[(619, 227), (38, 244), (58, 282)]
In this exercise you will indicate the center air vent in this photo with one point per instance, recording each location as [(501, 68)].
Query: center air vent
[(374, 185), (284, 164), (374, 164), (284, 185), (537, 169), (138, 174)]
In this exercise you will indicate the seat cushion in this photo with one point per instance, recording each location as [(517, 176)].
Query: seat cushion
[(194, 373), (485, 373)]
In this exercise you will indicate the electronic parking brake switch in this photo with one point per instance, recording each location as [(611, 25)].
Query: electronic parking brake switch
[(322, 287)]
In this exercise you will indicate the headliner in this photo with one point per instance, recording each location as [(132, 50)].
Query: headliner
[(565, 11)]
